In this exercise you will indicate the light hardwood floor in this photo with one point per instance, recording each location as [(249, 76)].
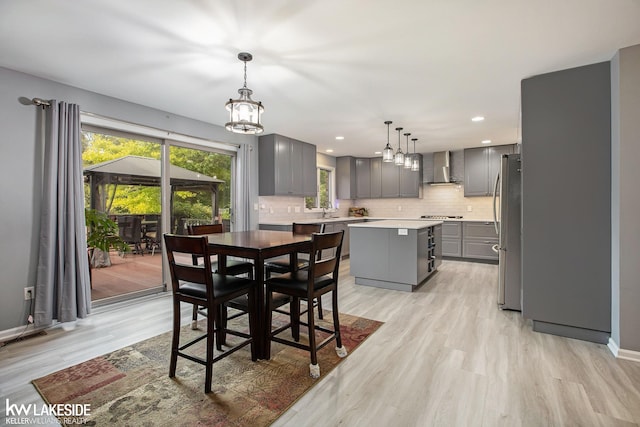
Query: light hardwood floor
[(446, 356)]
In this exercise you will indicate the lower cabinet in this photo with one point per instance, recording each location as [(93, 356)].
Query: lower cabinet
[(478, 239), (469, 239), (452, 238)]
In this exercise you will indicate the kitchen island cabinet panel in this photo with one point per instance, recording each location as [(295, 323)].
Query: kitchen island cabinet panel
[(396, 255)]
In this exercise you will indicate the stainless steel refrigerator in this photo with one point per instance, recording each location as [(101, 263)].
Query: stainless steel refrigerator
[(508, 221)]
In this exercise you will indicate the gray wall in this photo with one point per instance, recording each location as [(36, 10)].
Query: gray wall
[(21, 155), (625, 196)]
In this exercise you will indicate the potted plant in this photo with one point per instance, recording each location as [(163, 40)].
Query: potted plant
[(102, 235)]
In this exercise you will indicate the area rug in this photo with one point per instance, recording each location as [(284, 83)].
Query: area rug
[(131, 386)]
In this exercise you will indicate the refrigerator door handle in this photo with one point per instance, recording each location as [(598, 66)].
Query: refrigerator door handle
[(495, 197)]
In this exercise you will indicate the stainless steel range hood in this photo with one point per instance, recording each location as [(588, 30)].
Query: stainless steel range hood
[(441, 168)]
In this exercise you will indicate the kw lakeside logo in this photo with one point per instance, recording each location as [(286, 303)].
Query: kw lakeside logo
[(30, 414)]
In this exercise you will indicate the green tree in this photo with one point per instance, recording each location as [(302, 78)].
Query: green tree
[(98, 148)]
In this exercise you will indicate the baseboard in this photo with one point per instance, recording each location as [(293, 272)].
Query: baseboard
[(622, 353), (17, 332)]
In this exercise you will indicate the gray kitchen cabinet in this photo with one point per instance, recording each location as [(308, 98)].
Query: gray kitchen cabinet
[(390, 174), (371, 178), (452, 238), (309, 170), (287, 167), (363, 178), (478, 239), (346, 177), (410, 181), (275, 227), (375, 177), (566, 197), (481, 165), (330, 227)]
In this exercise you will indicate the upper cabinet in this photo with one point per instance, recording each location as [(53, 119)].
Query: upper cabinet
[(371, 178), (346, 177), (481, 165), (287, 167)]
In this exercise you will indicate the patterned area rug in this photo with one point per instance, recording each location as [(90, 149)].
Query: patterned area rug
[(131, 386)]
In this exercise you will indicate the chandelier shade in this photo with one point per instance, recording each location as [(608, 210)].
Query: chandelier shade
[(415, 164), (387, 153), (245, 114), (398, 159), (407, 156)]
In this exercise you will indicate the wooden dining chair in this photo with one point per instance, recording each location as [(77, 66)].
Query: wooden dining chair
[(200, 286), (320, 278), (283, 265), (233, 267)]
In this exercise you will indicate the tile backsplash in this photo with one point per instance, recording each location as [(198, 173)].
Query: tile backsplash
[(437, 200)]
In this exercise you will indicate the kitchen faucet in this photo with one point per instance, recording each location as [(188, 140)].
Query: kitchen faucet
[(324, 209)]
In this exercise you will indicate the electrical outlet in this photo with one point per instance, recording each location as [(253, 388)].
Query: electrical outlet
[(28, 293)]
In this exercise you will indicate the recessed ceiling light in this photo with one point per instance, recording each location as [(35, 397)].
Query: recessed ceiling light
[(477, 119), (486, 141), (330, 150), (378, 152), (339, 138)]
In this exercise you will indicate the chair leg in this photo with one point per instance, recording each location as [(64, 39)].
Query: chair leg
[(314, 368), (294, 318), (267, 325), (320, 314), (175, 340), (221, 334), (253, 323), (340, 350), (211, 333), (194, 317)]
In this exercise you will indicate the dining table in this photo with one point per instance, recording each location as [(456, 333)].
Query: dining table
[(258, 245)]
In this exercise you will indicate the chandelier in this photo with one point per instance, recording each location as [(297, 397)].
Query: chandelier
[(244, 112), (415, 165), (398, 159), (407, 155), (387, 153)]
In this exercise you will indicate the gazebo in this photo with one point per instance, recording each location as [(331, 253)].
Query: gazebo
[(145, 171)]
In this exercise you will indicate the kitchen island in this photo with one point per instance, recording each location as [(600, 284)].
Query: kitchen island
[(395, 254)]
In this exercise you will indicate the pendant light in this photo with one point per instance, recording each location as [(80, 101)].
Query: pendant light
[(387, 153), (398, 159), (407, 156), (415, 164), (244, 112)]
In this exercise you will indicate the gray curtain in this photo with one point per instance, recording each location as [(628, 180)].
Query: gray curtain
[(62, 283), (243, 208)]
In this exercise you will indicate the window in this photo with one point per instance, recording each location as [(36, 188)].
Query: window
[(326, 190)]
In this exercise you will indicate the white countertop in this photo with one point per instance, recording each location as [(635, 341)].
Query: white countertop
[(365, 218), (409, 224)]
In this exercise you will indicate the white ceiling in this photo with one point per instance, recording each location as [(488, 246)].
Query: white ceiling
[(321, 68)]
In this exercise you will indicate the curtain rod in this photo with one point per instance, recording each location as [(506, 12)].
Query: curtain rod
[(41, 102)]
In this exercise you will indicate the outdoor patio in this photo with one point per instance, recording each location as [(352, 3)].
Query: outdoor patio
[(131, 273)]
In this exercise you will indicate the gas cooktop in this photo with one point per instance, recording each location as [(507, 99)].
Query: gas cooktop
[(441, 217)]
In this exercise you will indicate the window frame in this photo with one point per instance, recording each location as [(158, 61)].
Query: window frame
[(332, 188)]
